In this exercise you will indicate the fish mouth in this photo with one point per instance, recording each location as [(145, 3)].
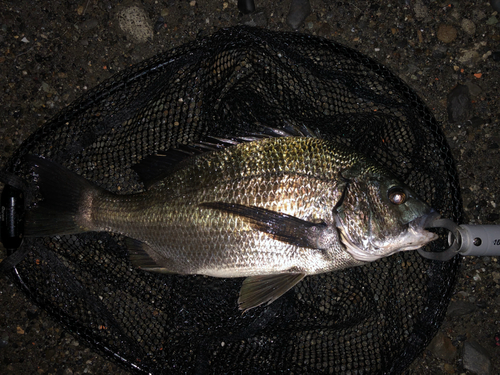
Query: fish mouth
[(417, 230), (427, 220)]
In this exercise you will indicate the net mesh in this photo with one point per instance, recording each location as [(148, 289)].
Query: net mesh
[(371, 319)]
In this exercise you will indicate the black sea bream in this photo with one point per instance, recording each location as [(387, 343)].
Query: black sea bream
[(273, 210)]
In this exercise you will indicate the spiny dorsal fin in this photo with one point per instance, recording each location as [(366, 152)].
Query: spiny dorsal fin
[(290, 130), (154, 168)]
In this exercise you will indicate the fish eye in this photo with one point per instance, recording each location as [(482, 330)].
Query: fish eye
[(397, 195)]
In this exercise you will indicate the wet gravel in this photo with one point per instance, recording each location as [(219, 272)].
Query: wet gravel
[(52, 52)]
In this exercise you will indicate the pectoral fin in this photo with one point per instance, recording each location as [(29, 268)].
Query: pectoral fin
[(257, 290), (279, 226)]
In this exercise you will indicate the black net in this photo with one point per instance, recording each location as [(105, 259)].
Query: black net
[(364, 320)]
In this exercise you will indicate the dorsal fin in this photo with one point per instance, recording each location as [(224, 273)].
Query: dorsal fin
[(154, 168), (290, 130)]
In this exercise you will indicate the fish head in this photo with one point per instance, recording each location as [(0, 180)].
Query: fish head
[(380, 216)]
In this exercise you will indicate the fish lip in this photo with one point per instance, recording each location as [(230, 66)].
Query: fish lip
[(426, 220), (419, 227)]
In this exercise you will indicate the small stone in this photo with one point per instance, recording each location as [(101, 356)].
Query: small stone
[(469, 57), (468, 26), (476, 359), (446, 33), (486, 55), (459, 105), (459, 308), (459, 339), (442, 348), (20, 331), (160, 22), (135, 23), (492, 21), (412, 68), (299, 10), (449, 369), (478, 15), (46, 88), (493, 216), (474, 89), (439, 51), (421, 11), (257, 18)]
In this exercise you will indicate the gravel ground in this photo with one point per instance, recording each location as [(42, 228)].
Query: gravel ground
[(52, 52)]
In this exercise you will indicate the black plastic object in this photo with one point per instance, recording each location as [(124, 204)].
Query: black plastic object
[(373, 319), (12, 214), (246, 6)]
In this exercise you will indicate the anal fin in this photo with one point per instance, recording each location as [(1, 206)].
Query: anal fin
[(140, 258), (257, 290)]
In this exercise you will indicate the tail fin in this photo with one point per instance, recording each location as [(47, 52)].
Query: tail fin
[(66, 201)]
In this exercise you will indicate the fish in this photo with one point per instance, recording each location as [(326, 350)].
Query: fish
[(272, 210)]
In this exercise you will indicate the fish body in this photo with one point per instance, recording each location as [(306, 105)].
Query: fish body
[(273, 210)]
